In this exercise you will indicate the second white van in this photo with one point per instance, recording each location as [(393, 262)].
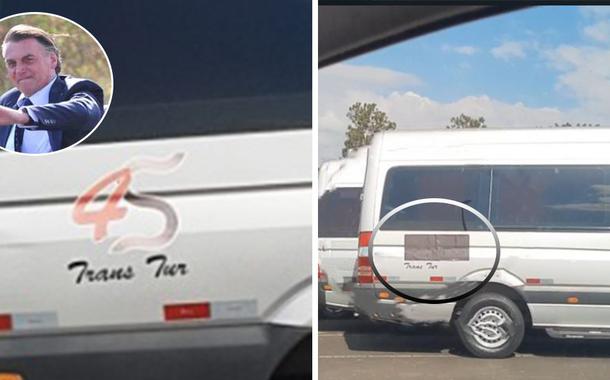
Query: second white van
[(339, 189)]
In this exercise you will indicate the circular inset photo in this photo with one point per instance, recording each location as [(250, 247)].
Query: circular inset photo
[(56, 85)]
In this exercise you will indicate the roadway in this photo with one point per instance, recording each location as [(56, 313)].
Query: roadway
[(360, 349)]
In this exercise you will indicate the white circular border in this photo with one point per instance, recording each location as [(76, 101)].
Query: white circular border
[(426, 201), (105, 112)]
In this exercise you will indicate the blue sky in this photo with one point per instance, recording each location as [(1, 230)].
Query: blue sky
[(527, 68), (449, 75)]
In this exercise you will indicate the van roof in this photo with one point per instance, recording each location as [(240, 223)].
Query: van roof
[(493, 145), (476, 136), (345, 172)]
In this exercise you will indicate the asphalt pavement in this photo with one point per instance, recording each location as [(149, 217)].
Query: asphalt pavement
[(360, 349)]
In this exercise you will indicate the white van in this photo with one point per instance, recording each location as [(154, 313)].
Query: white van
[(175, 242), (339, 189), (546, 194)]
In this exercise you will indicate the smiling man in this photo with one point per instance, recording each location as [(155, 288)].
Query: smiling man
[(45, 112)]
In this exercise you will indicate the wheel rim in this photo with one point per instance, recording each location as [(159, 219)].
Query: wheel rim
[(490, 327)]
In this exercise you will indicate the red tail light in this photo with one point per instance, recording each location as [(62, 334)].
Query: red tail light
[(6, 322), (364, 238), (365, 273), (321, 274)]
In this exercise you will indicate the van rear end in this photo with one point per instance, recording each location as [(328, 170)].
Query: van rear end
[(339, 203), (416, 279)]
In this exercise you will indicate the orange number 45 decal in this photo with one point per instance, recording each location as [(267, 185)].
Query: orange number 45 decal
[(111, 211), (100, 218)]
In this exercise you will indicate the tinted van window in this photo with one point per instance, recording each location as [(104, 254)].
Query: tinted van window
[(209, 67), (339, 212), (469, 185), (548, 197)]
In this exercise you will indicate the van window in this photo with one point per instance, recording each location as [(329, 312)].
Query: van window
[(211, 67), (546, 197), (469, 185), (339, 212)]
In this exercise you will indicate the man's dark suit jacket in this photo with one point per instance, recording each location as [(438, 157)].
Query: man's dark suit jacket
[(75, 107)]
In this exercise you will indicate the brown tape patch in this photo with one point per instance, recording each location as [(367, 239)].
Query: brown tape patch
[(433, 247)]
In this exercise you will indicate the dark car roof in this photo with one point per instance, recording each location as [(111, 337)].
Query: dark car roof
[(346, 31)]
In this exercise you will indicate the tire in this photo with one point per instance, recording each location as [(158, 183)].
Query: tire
[(501, 326), (329, 312)]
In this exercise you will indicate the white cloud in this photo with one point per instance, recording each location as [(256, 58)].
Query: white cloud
[(366, 76), (509, 50), (599, 31), (596, 12), (411, 110), (585, 70), (465, 50), (342, 85), (585, 74)]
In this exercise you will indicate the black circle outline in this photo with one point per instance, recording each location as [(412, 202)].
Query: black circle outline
[(427, 201)]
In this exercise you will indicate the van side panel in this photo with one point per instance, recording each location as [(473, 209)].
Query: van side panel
[(218, 284), (371, 184), (559, 270)]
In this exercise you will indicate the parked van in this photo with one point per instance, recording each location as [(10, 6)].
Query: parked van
[(545, 192), (339, 189), (175, 242)]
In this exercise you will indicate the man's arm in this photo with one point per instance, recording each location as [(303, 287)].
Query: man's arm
[(9, 116), (80, 111)]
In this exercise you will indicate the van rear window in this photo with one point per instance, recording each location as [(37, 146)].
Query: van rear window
[(339, 212)]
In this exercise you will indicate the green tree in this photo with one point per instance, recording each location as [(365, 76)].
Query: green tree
[(465, 121), (366, 120)]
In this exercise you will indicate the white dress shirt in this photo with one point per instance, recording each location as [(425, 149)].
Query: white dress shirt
[(33, 141)]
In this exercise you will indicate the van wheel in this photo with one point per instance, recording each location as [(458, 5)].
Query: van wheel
[(490, 326), (329, 312)]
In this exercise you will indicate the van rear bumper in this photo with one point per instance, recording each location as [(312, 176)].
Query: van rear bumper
[(245, 352), (338, 299), (408, 312)]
